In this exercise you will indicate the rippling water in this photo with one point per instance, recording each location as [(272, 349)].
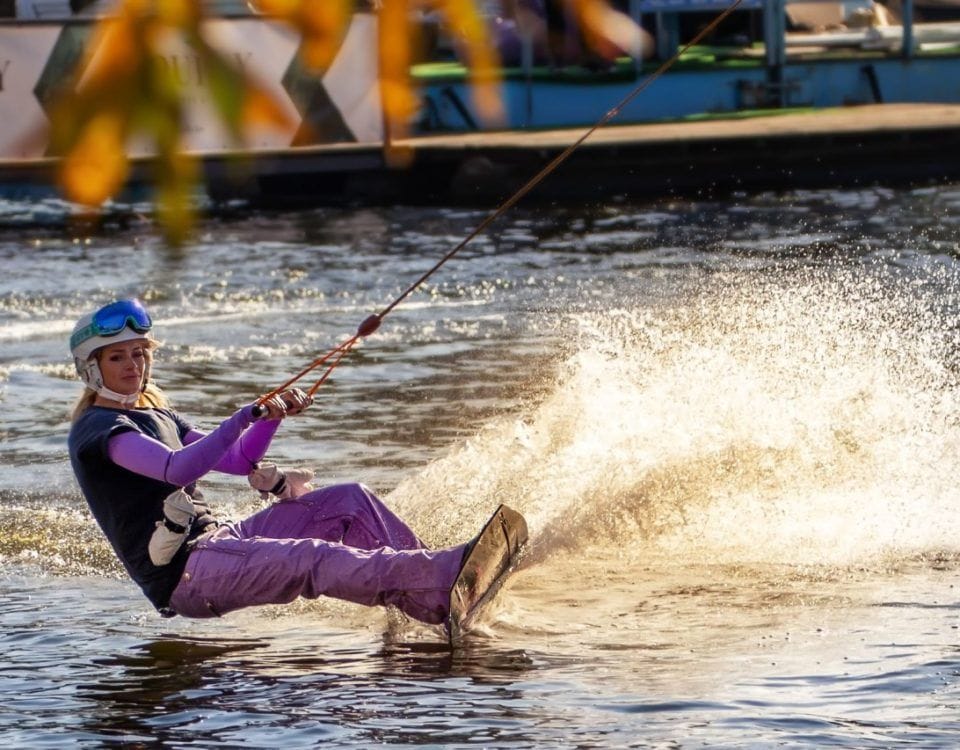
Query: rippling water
[(733, 427)]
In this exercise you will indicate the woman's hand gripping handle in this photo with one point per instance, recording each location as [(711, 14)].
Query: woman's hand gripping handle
[(285, 404)]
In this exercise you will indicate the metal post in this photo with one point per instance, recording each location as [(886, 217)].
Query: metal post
[(774, 40), (526, 61), (907, 42)]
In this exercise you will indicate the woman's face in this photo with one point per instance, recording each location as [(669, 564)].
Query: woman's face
[(123, 365)]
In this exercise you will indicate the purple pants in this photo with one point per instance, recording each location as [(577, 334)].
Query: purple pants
[(339, 541)]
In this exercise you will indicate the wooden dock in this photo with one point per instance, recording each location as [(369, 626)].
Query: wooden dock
[(842, 147), (859, 120)]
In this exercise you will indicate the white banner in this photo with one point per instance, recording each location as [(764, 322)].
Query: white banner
[(342, 105), (24, 51)]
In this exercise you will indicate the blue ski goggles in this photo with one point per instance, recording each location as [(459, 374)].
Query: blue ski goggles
[(110, 320)]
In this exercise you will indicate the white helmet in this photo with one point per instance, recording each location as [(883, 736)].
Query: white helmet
[(123, 320)]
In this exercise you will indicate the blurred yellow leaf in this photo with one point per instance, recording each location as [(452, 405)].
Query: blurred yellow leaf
[(608, 31), (483, 61), (125, 89), (261, 108), (176, 177), (399, 102), (321, 23), (114, 52), (179, 13), (286, 9), (96, 166)]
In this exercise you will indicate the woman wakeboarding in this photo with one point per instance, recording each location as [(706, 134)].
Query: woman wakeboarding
[(137, 462)]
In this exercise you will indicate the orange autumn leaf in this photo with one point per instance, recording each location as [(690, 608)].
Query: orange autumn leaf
[(260, 107), (97, 165), (317, 53), (322, 25), (279, 8), (607, 31), (483, 62), (397, 99), (176, 176), (182, 14), (113, 53)]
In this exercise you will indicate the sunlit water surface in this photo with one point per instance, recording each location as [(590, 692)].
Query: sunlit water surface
[(733, 428)]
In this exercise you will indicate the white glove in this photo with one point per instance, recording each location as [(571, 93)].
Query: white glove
[(172, 529), (270, 479)]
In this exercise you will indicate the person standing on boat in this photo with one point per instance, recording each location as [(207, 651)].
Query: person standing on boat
[(137, 463)]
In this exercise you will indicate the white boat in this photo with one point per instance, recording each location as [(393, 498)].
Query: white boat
[(337, 147)]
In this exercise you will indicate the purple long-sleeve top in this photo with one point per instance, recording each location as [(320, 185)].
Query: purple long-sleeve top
[(234, 447)]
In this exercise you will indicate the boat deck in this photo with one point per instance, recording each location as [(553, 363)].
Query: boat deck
[(866, 144), (863, 119)]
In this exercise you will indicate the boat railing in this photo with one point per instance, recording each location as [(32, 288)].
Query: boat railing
[(776, 38), (901, 39)]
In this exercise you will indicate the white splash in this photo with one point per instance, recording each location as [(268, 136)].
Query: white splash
[(805, 419)]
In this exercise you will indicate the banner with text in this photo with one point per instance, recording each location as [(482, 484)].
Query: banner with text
[(341, 106)]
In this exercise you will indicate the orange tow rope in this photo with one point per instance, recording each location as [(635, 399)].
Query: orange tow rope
[(372, 322)]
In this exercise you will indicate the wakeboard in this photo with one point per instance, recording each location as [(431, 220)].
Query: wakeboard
[(486, 567)]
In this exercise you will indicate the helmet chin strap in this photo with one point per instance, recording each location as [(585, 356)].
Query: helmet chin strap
[(92, 377), (126, 401)]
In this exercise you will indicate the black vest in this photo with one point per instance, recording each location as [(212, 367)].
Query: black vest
[(125, 504)]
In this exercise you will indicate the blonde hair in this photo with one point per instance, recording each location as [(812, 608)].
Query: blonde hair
[(150, 396)]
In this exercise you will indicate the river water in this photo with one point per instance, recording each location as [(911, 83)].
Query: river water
[(733, 427)]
